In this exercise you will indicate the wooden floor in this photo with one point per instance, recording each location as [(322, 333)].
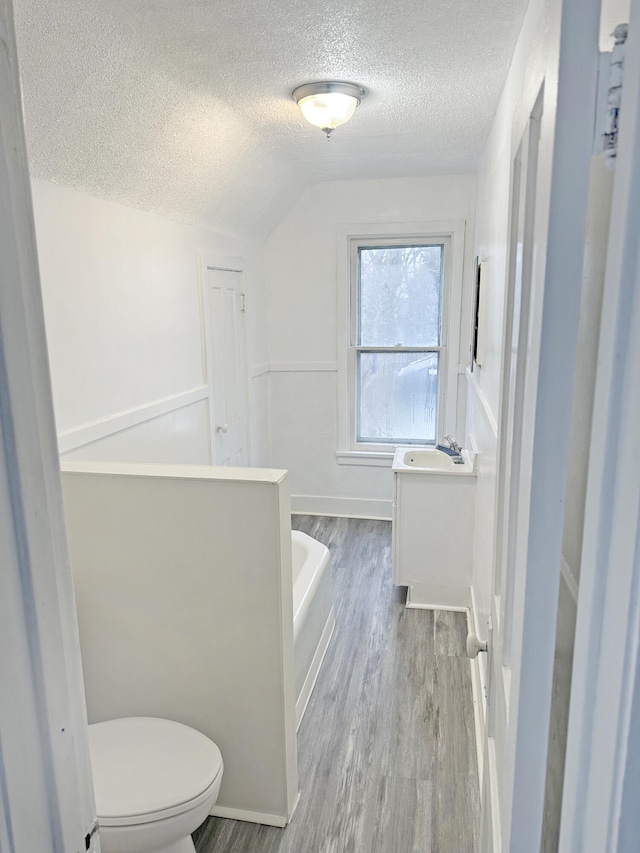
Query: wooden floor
[(386, 750)]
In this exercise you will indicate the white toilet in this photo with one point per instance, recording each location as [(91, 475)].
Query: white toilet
[(155, 782)]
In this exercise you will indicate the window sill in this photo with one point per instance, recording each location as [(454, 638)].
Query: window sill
[(363, 457)]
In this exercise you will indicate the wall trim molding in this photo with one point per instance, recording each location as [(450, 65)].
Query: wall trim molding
[(250, 817), (370, 460), (482, 670), (94, 431), (259, 370), (292, 367), (372, 508), (477, 691), (303, 366), (473, 384)]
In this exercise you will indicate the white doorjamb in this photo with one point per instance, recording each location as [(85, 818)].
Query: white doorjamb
[(602, 781), (546, 445), (46, 792)]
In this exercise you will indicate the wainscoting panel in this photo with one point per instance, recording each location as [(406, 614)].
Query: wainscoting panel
[(92, 432), (178, 436), (304, 439)]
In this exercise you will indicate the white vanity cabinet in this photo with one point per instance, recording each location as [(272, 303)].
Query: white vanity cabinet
[(433, 523)]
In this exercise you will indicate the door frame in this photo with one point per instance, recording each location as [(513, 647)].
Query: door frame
[(44, 754), (602, 777), (546, 438), (225, 263), (569, 75)]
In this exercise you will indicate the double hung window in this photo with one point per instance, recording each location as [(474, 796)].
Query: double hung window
[(397, 346)]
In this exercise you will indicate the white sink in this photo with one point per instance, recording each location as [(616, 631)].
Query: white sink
[(428, 459)]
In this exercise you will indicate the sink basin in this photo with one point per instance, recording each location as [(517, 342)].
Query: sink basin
[(431, 459), (425, 459)]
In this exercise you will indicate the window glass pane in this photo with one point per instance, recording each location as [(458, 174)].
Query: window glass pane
[(397, 396), (400, 296)]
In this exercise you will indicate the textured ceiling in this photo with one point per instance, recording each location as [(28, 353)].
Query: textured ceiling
[(184, 107)]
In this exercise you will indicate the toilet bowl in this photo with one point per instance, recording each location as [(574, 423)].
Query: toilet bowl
[(155, 782)]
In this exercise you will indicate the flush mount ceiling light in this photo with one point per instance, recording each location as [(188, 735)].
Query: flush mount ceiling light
[(329, 103)]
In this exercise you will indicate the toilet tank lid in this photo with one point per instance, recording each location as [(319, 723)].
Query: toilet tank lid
[(143, 765)]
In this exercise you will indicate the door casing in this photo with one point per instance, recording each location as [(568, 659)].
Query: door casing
[(209, 263)]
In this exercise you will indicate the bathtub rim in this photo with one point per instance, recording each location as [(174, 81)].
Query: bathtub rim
[(317, 561)]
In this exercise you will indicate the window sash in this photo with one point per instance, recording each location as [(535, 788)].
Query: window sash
[(427, 341), (394, 409), (399, 349)]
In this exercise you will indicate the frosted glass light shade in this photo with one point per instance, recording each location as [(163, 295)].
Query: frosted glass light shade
[(328, 111), (328, 104)]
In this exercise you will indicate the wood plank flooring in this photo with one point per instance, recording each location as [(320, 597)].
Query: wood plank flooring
[(386, 750)]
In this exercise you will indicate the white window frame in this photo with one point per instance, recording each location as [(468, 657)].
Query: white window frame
[(350, 238)]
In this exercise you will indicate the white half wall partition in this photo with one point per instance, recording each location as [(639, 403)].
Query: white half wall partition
[(184, 594)]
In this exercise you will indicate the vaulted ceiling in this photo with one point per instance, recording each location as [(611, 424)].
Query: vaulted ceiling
[(183, 107)]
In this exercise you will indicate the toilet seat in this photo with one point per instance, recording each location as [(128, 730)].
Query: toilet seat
[(147, 769), (150, 817)]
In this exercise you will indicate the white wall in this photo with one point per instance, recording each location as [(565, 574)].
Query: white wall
[(124, 329), (300, 270), (180, 437), (491, 234)]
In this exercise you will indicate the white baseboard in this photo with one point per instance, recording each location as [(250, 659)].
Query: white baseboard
[(86, 434), (314, 669), (250, 817), (420, 599), (341, 507), (477, 693), (295, 806), (419, 605)]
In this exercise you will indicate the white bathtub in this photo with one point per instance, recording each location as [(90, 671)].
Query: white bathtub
[(313, 619)]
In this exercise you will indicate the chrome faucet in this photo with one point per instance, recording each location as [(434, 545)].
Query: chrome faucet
[(452, 449), (453, 444)]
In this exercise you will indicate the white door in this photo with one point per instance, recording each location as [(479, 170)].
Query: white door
[(514, 355), (602, 770), (226, 365), (551, 159)]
